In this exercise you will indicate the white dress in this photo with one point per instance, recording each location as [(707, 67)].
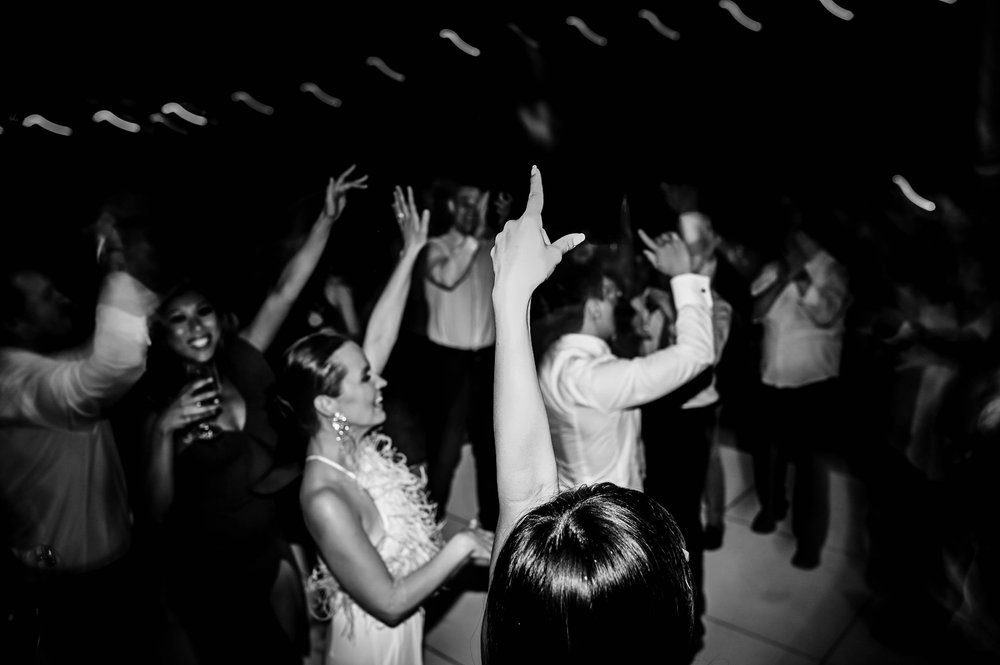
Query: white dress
[(411, 539)]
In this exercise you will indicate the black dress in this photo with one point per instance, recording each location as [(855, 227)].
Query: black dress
[(224, 540)]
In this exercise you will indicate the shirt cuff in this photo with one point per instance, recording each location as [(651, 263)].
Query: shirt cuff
[(691, 289)]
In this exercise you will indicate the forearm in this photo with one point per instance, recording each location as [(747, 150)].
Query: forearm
[(448, 269), (526, 468), (271, 315), (382, 330), (404, 596)]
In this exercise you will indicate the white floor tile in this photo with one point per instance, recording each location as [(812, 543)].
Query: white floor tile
[(738, 468), (847, 514), (462, 502), (725, 645), (457, 634), (751, 584)]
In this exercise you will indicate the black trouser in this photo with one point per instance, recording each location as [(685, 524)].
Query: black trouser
[(678, 443), (460, 409), (99, 616), (798, 428)]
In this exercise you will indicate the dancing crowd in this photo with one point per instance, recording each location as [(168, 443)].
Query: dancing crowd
[(183, 485)]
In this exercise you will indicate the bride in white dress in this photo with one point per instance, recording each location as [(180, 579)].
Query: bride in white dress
[(380, 551)]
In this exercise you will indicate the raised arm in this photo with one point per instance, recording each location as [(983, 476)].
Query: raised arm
[(272, 313), (383, 325), (67, 392), (523, 258)]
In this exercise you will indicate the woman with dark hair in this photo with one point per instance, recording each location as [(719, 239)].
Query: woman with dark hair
[(230, 575), (594, 574), (374, 529)]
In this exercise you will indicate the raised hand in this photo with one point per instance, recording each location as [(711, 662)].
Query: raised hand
[(336, 193), (667, 253), (523, 256), (412, 223)]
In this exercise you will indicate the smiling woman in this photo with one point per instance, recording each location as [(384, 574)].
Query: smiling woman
[(230, 574)]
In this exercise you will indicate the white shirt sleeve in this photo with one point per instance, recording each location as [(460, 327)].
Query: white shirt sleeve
[(616, 383), (63, 392)]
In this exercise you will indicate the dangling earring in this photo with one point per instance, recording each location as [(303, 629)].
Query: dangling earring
[(340, 426)]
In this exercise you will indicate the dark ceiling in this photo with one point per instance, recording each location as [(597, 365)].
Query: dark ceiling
[(810, 98)]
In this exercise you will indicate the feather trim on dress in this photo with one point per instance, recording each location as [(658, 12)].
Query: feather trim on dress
[(412, 534)]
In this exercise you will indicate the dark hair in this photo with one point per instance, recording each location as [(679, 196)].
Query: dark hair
[(559, 304), (308, 370), (596, 575)]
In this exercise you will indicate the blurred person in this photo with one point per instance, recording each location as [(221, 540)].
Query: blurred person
[(69, 583), (800, 301), (592, 397), (681, 429), (457, 280), (229, 572), (380, 555), (589, 574)]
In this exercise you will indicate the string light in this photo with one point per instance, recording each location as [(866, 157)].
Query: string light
[(837, 10), (913, 197), (318, 93), (452, 36), (177, 109), (380, 65), (36, 120), (109, 117), (740, 17), (659, 27), (246, 98), (577, 23), (527, 40)]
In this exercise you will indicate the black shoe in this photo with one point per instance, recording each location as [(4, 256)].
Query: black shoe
[(711, 538), (763, 523), (805, 559)]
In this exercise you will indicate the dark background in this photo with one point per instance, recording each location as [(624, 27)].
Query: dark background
[(811, 103)]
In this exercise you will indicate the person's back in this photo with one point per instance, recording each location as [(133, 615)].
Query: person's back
[(592, 396)]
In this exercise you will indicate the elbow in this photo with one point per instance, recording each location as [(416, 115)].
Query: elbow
[(391, 617)]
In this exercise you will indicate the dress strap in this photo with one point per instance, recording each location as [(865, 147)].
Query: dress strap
[(329, 462)]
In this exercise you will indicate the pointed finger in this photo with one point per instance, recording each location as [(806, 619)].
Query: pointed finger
[(646, 240), (569, 241), (536, 196), (347, 172), (409, 193)]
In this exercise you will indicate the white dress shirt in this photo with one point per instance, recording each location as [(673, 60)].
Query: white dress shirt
[(459, 288), (803, 332), (61, 481), (592, 397)]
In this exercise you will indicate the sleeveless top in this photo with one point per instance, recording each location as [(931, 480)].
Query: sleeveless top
[(412, 536)]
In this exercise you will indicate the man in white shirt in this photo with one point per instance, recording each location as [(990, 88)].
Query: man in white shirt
[(592, 396), (800, 301), (458, 288), (63, 498)]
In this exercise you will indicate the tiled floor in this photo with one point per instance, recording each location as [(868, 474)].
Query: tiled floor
[(761, 610)]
